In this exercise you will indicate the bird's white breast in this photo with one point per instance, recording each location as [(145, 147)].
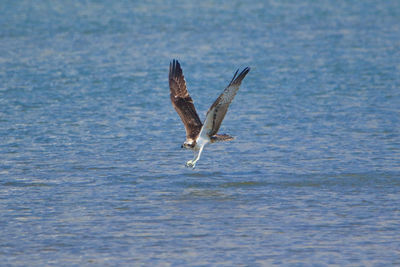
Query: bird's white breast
[(202, 140)]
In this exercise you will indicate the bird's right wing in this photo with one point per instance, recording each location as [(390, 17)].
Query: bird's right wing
[(182, 101), (218, 109)]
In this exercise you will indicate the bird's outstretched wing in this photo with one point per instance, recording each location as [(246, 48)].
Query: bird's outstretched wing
[(182, 101), (218, 109)]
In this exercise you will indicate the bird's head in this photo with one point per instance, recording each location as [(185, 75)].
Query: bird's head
[(189, 144)]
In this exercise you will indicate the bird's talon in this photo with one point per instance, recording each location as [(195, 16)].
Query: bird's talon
[(190, 164)]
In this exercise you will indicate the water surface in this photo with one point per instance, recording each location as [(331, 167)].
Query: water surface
[(90, 162)]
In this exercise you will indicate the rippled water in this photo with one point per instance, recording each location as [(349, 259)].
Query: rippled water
[(90, 162)]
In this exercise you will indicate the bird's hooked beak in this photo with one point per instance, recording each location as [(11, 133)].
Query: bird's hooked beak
[(188, 145)]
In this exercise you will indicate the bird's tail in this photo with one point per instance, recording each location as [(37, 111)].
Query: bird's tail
[(221, 138)]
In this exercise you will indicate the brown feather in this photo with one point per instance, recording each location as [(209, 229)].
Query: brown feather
[(182, 102), (221, 138)]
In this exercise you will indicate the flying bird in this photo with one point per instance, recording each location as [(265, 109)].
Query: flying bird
[(197, 133)]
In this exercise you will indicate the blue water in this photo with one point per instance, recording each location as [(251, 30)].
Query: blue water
[(91, 169)]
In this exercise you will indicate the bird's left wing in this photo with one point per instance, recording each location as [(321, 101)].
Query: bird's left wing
[(218, 109), (182, 101)]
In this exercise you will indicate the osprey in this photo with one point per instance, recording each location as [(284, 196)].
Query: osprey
[(198, 134)]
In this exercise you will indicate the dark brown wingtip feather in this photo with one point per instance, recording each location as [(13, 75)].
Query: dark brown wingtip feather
[(240, 77), (175, 69), (177, 82), (234, 76)]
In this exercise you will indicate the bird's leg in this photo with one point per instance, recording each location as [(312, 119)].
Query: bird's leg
[(192, 163)]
